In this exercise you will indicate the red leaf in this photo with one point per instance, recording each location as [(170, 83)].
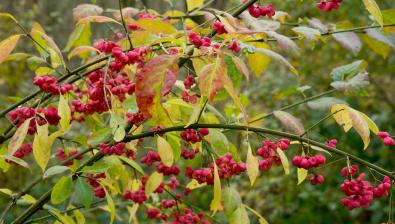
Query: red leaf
[(154, 81)]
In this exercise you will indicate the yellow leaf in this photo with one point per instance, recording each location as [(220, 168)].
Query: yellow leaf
[(195, 184), (41, 151), (132, 211), (374, 10), (165, 151), (18, 137), (155, 26), (360, 125), (372, 126), (252, 166), (64, 114), (258, 62), (153, 182), (194, 4), (215, 204), (29, 198), (302, 174), (260, 217), (111, 205), (16, 160), (342, 116), (7, 46), (284, 160), (195, 113), (228, 85), (6, 191)]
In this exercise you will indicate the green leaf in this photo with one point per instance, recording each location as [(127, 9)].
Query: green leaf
[(18, 137), (111, 206), (165, 151), (324, 103), (98, 167), (83, 192), (374, 10), (356, 83), (349, 70), (218, 141), (55, 170), (239, 216), (194, 4), (100, 136), (132, 163), (62, 190), (79, 37), (231, 200), (174, 140)]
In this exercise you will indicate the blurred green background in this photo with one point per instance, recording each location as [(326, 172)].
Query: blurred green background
[(275, 196)]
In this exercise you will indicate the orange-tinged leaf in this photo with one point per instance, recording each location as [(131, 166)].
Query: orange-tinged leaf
[(153, 82), (85, 10), (165, 151), (241, 66), (97, 19), (360, 125), (252, 166), (18, 137), (155, 26), (291, 123), (153, 182), (228, 85), (211, 78), (81, 50), (215, 204), (7, 46)]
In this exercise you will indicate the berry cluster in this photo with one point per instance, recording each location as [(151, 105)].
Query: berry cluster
[(199, 41), (21, 114), (155, 213), (386, 138), (331, 143), (359, 192), (189, 81), (189, 153), (227, 167), (117, 149), (193, 136), (219, 27), (307, 162), (349, 171), (315, 179), (50, 85), (328, 5), (268, 152), (139, 196), (23, 151), (189, 217), (257, 10), (62, 156), (234, 46), (92, 180), (150, 158), (136, 118), (167, 171)]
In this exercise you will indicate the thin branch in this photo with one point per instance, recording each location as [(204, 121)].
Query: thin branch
[(295, 104), (319, 122), (124, 26)]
